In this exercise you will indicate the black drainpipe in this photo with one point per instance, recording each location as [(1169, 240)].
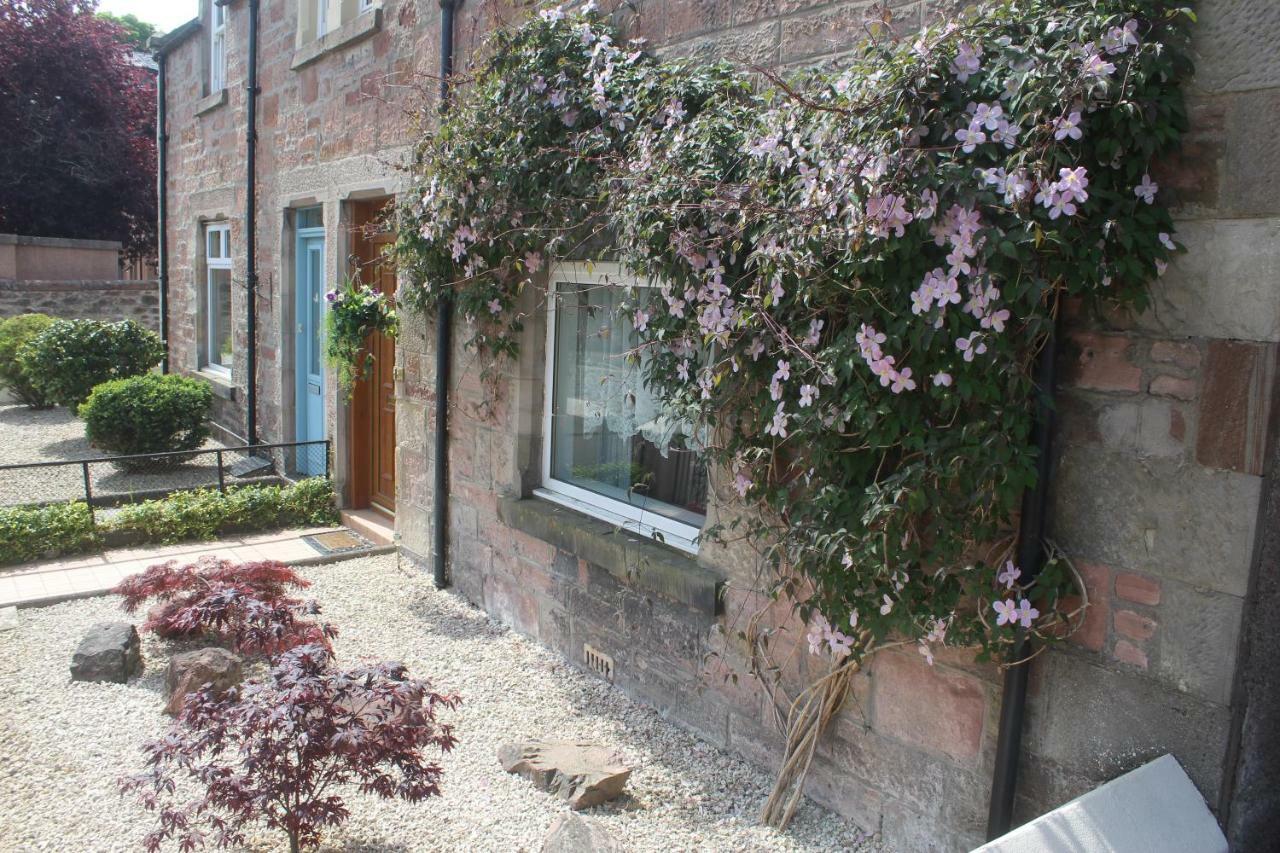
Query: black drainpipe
[(251, 227), (444, 345), (1035, 507), (162, 207)]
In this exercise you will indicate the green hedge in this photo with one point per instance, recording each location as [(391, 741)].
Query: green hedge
[(70, 357), (33, 533), (29, 533), (15, 332), (148, 414)]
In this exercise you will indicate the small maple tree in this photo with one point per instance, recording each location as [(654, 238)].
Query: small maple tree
[(278, 749), (247, 606)]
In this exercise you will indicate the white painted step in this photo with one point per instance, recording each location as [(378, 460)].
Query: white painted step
[(1154, 808)]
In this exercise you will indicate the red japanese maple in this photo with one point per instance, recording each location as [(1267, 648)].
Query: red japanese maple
[(278, 750), (77, 124), (247, 606)]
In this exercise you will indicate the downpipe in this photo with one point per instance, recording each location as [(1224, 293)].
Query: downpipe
[(444, 346), (251, 228), (1030, 554), (162, 207)]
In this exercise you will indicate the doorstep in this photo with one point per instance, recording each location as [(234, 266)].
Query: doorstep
[(371, 524)]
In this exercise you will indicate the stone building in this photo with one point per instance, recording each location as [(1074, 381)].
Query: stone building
[(1165, 460)]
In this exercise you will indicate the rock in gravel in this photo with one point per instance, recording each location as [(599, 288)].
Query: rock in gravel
[(111, 651), (573, 833), (8, 618), (190, 671), (584, 774)]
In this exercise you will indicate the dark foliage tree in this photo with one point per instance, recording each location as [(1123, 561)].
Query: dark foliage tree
[(247, 606), (77, 127), (278, 750)]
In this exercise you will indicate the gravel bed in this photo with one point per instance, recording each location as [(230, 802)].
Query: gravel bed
[(54, 435), (63, 745)]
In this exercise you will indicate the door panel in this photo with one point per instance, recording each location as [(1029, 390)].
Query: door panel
[(373, 408), (309, 355)]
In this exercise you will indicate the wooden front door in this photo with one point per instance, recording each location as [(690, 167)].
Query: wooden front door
[(373, 404)]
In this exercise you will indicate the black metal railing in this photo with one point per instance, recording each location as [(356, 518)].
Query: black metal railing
[(107, 481)]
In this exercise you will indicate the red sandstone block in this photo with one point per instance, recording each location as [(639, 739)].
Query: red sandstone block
[(1138, 589), (1173, 386), (1102, 363), (1133, 625), (1184, 355), (927, 706), (1127, 652), (1238, 380), (1092, 633)]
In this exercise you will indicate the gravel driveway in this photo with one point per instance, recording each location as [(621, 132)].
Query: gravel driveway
[(53, 435), (62, 745)]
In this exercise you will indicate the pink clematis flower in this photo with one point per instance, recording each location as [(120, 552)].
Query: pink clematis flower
[(1007, 612), (942, 379), (1009, 575), (1027, 613), (1147, 190)]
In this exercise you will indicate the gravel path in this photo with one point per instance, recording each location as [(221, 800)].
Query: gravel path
[(62, 745), (53, 435)]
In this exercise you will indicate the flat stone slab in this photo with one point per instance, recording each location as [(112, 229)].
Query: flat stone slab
[(8, 618), (584, 774), (111, 652), (1155, 807), (573, 833)]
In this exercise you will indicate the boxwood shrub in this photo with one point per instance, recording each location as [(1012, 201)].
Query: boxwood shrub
[(148, 414), (206, 513), (70, 357), (14, 332), (33, 533)]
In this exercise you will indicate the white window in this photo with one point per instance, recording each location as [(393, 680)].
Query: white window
[(219, 333), (609, 447), (218, 48), (322, 17), (365, 5)]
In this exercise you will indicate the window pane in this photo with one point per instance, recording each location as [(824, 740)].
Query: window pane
[(609, 435), (220, 329), (315, 273), (213, 245), (310, 217)]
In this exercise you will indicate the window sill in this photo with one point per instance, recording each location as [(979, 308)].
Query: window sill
[(632, 560), (221, 383), (211, 102), (361, 27)]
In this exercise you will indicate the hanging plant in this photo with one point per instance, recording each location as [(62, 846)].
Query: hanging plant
[(356, 311)]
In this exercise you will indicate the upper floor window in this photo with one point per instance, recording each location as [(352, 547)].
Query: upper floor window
[(318, 18), (219, 336), (610, 448), (217, 47)]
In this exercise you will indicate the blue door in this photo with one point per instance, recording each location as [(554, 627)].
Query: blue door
[(309, 355)]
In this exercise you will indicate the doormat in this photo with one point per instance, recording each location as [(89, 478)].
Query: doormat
[(337, 542)]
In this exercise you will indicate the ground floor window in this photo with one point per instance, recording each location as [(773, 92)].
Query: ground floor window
[(610, 448), (219, 333)]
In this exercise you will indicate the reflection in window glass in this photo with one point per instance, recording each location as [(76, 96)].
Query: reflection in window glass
[(610, 436), (315, 271), (220, 329)]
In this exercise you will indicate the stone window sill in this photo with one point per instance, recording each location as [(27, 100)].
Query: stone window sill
[(636, 562), (221, 383), (359, 28), (211, 102)]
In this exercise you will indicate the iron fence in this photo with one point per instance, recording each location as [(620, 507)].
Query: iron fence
[(107, 481)]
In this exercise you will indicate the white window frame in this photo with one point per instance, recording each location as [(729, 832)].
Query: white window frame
[(646, 523), (364, 6), (217, 47), (322, 18), (208, 356)]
